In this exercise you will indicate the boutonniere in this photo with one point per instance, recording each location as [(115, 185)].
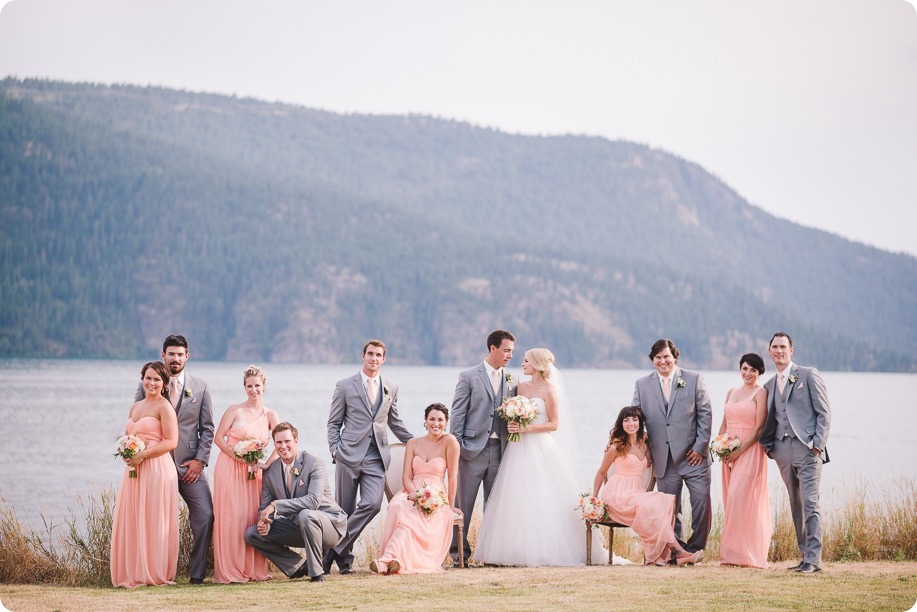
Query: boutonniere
[(296, 471), (508, 377), (681, 383), (793, 378), (188, 393), (385, 390)]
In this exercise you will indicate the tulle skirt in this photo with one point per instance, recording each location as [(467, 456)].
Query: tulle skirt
[(530, 518)]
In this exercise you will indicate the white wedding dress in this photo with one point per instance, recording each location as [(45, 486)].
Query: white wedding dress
[(530, 517)]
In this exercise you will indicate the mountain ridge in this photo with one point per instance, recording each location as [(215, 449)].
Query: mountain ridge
[(329, 206)]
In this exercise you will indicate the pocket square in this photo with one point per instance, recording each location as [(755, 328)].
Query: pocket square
[(801, 385)]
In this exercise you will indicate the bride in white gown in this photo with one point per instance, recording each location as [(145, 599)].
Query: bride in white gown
[(529, 518)]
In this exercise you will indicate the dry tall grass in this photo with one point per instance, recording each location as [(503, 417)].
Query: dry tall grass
[(75, 553), (870, 525)]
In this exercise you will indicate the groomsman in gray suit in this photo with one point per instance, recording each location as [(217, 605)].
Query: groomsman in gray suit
[(296, 510), (794, 435), (190, 397), (679, 419), (479, 431), (362, 408)]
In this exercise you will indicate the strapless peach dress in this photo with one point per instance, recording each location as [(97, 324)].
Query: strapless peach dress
[(419, 542), (144, 535)]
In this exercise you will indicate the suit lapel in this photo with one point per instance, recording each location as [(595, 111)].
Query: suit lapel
[(788, 389), (361, 390), (485, 380), (657, 393), (181, 393), (674, 388), (294, 481)]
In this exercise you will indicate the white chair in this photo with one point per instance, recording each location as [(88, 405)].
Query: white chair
[(393, 485), (649, 481)]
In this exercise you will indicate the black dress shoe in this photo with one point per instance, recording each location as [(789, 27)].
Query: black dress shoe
[(795, 568), (808, 568), (319, 578), (327, 560), (302, 571), (345, 569), (196, 580)]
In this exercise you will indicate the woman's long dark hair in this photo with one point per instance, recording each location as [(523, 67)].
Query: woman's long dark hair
[(619, 437)]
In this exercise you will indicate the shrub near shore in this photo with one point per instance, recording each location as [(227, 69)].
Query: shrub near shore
[(869, 525)]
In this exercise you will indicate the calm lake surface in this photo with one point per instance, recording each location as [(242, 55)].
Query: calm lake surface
[(60, 420)]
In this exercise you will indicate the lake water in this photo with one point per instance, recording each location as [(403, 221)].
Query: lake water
[(59, 420)]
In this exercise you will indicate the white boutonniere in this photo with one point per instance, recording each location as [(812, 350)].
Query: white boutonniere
[(296, 471), (508, 377), (188, 393), (385, 390), (681, 382), (793, 378)]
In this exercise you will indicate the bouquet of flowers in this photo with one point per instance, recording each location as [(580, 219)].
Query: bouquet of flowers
[(724, 444), (519, 410), (251, 451), (590, 508), (127, 446), (430, 498)]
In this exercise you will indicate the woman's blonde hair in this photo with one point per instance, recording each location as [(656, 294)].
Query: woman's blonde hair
[(254, 370), (541, 359)]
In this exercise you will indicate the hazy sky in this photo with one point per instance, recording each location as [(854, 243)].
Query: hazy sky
[(805, 107)]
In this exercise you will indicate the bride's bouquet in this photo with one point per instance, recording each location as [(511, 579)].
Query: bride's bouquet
[(127, 446), (590, 508), (517, 409), (430, 498), (724, 444), (251, 451)]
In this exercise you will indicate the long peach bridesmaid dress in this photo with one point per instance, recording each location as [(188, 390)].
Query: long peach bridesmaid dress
[(747, 526), (144, 535), (235, 508), (419, 542), (649, 513)]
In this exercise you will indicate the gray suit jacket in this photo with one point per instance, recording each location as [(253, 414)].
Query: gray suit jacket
[(686, 426), (311, 491), (195, 422), (351, 422), (471, 421), (807, 410)]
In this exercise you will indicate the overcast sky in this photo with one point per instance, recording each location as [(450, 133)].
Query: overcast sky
[(805, 107)]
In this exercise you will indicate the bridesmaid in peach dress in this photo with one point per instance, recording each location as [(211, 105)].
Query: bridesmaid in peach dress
[(414, 542), (235, 497), (650, 514), (747, 526), (144, 534)]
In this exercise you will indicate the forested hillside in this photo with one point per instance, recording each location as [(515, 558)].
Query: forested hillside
[(271, 232)]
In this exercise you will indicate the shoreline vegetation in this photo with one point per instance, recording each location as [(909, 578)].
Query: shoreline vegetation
[(66, 566)]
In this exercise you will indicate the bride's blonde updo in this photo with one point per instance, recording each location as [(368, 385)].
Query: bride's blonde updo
[(541, 359)]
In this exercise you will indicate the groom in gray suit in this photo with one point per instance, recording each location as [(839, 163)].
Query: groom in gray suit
[(362, 408), (679, 420), (794, 435), (296, 510), (190, 397), (481, 434)]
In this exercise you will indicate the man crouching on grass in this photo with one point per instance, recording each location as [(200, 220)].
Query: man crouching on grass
[(297, 510)]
